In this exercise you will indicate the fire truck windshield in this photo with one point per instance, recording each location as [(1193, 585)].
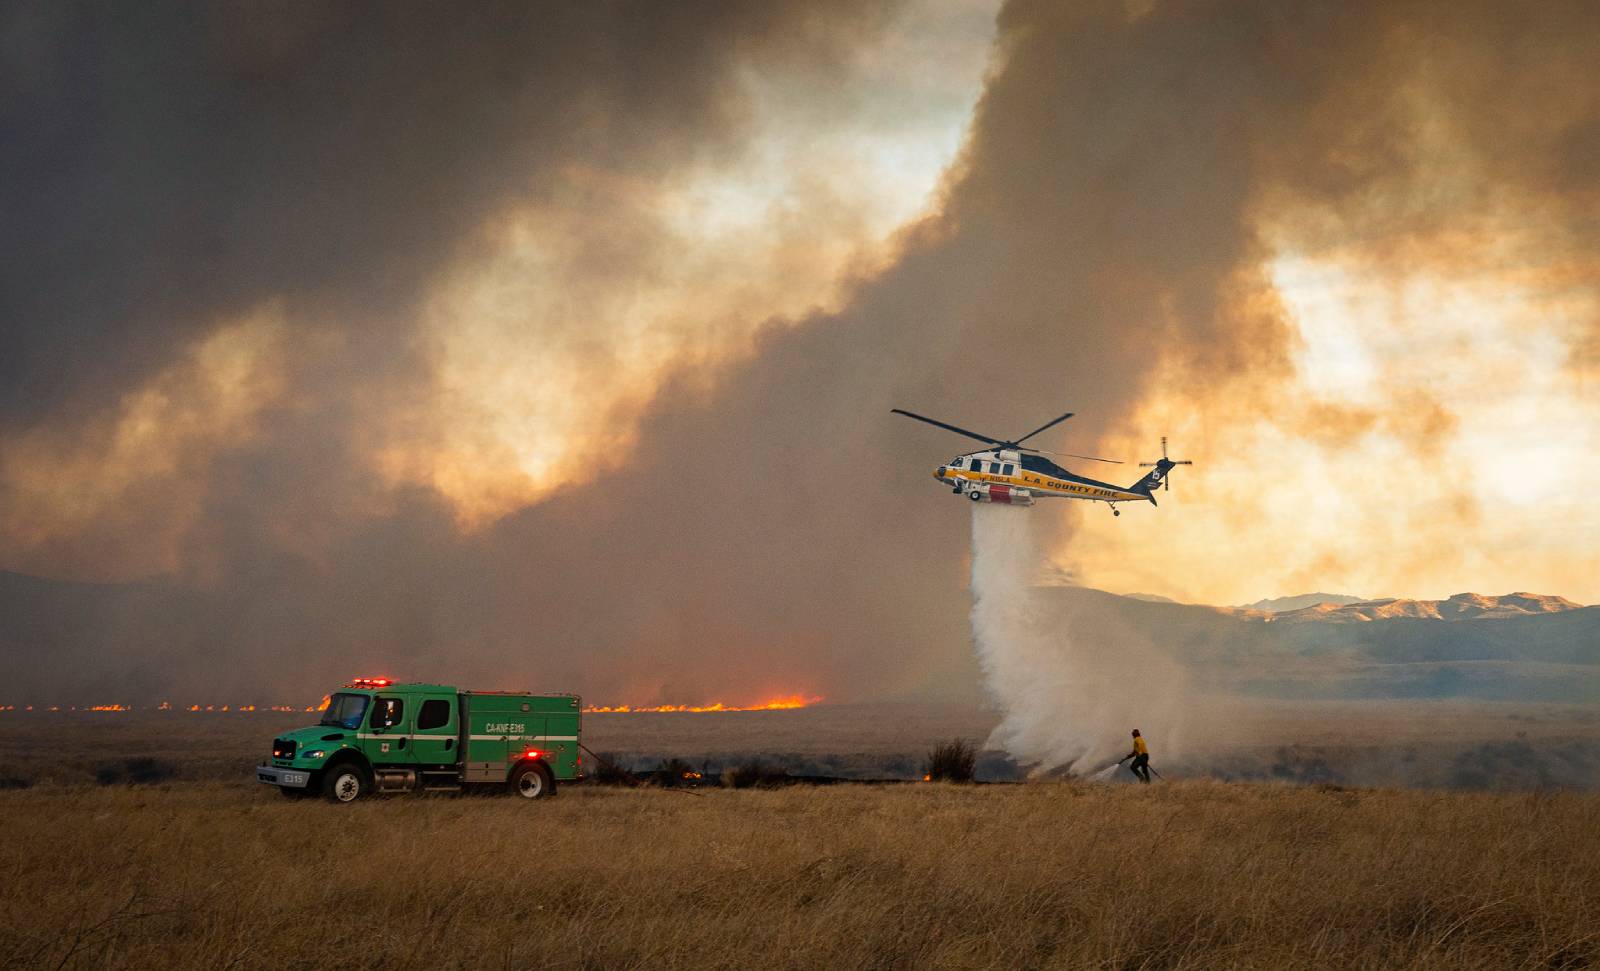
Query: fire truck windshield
[(345, 711)]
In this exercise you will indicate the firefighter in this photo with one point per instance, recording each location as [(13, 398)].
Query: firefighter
[(1141, 759)]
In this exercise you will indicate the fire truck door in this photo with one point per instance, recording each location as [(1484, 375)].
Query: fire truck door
[(437, 731)]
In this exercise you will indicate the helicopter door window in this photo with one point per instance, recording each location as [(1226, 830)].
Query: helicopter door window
[(1006, 469)]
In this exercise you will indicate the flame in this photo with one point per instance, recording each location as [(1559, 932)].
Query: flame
[(786, 703), (777, 704)]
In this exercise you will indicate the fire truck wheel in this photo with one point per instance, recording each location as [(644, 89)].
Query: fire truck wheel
[(344, 784), (532, 781)]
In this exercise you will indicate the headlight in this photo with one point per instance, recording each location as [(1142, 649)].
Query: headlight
[(314, 754)]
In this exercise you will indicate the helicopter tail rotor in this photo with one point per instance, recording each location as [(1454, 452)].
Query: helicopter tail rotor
[(1162, 466)]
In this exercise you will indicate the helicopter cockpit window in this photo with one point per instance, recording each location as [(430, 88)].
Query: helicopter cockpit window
[(958, 461)]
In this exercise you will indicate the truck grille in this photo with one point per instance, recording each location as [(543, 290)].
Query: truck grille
[(282, 748)]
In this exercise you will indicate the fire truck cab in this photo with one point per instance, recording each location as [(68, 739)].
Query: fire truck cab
[(377, 737)]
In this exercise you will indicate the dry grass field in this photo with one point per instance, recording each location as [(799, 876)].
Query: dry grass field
[(1186, 875)]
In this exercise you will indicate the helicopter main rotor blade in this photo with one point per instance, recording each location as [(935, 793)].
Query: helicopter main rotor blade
[(1041, 428), (950, 428), (1075, 455)]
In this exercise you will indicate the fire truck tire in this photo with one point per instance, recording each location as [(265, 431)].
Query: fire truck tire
[(533, 781), (345, 783)]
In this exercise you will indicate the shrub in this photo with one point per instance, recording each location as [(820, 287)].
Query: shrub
[(677, 772), (609, 771), (952, 761), (752, 773)]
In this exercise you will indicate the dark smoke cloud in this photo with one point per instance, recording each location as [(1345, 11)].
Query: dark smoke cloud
[(774, 529), (170, 163)]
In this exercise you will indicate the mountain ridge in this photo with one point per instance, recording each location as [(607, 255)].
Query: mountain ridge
[(1282, 604), (1456, 608)]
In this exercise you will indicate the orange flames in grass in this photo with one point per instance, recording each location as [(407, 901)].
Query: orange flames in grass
[(788, 703), (777, 704), (168, 706)]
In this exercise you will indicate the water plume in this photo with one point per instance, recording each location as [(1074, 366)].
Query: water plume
[(1068, 693)]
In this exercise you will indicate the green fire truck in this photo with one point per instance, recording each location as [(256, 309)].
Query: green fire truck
[(379, 737)]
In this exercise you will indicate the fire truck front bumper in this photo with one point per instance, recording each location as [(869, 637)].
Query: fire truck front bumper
[(288, 778)]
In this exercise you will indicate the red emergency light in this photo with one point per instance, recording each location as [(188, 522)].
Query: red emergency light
[(370, 682)]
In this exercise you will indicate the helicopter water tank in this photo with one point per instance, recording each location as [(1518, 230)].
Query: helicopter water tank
[(999, 494)]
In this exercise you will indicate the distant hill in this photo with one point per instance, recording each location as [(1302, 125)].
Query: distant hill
[(1279, 604), (1462, 606), (1519, 646), (1154, 598)]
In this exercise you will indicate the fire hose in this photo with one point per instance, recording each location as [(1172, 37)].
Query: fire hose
[(1147, 765)]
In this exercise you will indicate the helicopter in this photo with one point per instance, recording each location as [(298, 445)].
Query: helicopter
[(1010, 473)]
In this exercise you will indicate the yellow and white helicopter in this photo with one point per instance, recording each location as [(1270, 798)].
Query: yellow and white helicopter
[(1013, 474)]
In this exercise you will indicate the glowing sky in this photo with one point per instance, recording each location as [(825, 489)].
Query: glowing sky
[(1435, 439)]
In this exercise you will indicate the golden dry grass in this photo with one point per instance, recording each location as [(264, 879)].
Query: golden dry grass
[(1186, 875)]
